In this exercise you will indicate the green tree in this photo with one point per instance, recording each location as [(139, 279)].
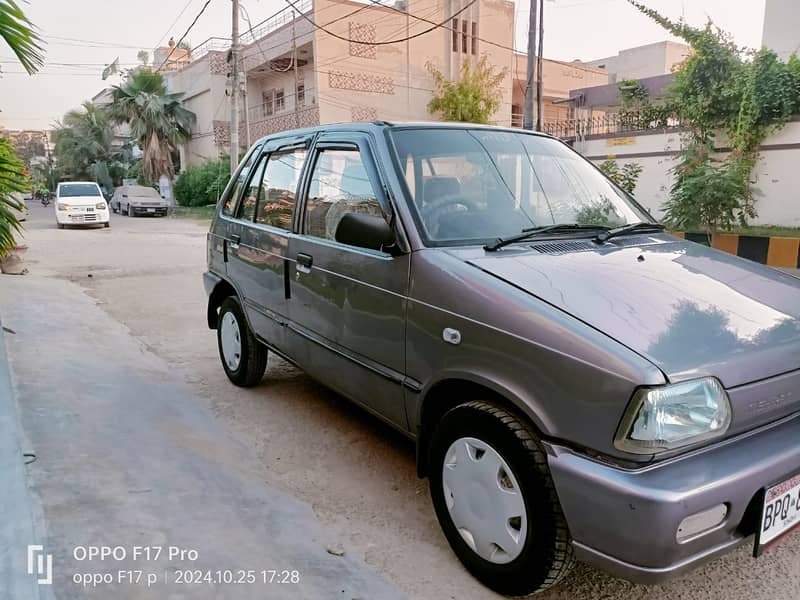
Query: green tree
[(156, 119), (625, 177), (143, 56), (85, 149), (18, 33), (723, 89), (473, 98)]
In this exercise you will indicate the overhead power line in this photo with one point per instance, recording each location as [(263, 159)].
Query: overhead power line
[(185, 33), (180, 14), (384, 42)]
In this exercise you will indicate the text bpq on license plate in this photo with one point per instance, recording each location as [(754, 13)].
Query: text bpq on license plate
[(781, 512)]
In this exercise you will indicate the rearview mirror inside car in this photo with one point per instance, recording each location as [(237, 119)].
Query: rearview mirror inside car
[(365, 231)]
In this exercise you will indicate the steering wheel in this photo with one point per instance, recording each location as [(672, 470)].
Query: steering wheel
[(433, 211)]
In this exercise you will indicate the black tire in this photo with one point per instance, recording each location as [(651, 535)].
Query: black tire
[(547, 555), (130, 210), (107, 224), (114, 210), (60, 225), (253, 361)]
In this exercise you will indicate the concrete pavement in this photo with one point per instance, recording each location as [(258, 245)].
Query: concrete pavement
[(126, 457)]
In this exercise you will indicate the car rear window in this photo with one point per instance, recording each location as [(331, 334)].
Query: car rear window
[(72, 190)]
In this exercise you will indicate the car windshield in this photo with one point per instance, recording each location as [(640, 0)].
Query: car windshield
[(474, 185), (72, 190)]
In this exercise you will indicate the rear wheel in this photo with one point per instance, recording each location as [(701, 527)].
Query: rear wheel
[(243, 357), (495, 500)]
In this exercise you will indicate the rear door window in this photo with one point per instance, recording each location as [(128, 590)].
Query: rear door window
[(276, 197)]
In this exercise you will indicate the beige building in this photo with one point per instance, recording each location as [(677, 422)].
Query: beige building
[(782, 27), (298, 75), (643, 61)]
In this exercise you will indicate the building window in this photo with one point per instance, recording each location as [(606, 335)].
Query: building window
[(301, 94), (455, 35), (474, 38), (464, 36), (280, 102), (267, 107)]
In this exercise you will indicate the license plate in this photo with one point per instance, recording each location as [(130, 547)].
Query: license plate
[(151, 210), (89, 210), (780, 515)]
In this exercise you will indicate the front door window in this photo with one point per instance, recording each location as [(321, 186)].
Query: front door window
[(339, 185)]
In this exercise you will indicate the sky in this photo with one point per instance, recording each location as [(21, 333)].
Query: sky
[(95, 32)]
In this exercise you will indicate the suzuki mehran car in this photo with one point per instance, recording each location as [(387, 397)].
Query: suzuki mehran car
[(80, 203), (579, 384)]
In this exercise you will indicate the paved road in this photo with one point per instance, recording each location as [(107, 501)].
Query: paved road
[(356, 474), (127, 456)]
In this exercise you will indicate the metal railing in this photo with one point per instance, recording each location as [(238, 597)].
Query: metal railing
[(278, 20), (609, 124), (212, 44), (249, 36)]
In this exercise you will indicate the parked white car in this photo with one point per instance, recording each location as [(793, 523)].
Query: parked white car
[(80, 203)]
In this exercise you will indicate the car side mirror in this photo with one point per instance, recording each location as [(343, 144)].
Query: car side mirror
[(365, 231), (124, 195)]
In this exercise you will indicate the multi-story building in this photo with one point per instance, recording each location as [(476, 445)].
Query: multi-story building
[(782, 27), (337, 60), (650, 60)]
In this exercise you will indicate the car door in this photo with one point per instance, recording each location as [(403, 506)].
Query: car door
[(348, 304), (259, 237)]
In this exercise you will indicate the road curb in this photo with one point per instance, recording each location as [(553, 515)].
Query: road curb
[(17, 525)]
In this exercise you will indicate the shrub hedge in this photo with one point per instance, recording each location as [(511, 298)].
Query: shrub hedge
[(202, 184)]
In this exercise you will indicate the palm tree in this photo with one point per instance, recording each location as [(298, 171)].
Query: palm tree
[(84, 145), (17, 32), (156, 120)]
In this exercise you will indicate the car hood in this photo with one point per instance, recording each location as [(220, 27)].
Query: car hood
[(690, 310), (82, 200)]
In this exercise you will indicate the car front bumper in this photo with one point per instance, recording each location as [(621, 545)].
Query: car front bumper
[(625, 522), (158, 211), (81, 216)]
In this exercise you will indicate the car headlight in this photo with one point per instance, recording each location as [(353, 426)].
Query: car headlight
[(673, 416), (63, 206), (100, 206)]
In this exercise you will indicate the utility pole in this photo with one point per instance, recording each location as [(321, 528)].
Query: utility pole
[(527, 119), (294, 68), (235, 87), (539, 68)]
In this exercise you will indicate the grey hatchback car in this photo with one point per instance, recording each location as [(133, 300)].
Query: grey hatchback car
[(579, 384)]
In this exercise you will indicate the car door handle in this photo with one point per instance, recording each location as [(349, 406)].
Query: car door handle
[(235, 240), (304, 262)]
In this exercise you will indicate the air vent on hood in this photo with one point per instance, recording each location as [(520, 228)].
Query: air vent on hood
[(564, 247)]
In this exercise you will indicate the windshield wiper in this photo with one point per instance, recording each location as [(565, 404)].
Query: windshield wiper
[(625, 229), (534, 231)]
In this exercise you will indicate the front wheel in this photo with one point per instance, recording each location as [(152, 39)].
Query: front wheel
[(243, 357), (495, 500), (130, 210)]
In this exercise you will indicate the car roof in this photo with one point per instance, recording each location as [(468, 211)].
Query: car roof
[(60, 183), (375, 126)]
